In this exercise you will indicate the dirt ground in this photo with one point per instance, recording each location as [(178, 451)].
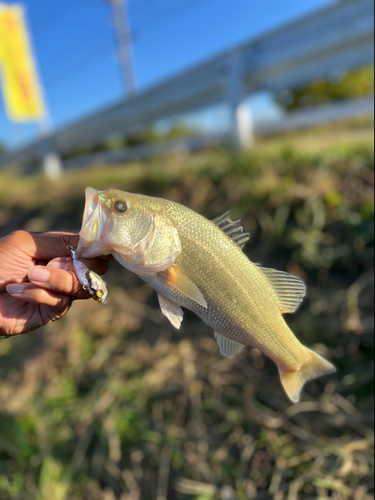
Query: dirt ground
[(113, 403)]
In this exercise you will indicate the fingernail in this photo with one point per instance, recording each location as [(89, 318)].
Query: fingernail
[(38, 273), (58, 264), (15, 288)]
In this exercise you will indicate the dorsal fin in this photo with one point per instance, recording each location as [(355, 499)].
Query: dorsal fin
[(290, 289), (233, 229)]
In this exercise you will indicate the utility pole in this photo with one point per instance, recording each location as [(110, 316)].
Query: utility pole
[(124, 45)]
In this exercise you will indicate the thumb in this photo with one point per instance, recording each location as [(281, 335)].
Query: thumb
[(48, 246)]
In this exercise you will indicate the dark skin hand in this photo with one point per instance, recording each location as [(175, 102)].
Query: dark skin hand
[(37, 281)]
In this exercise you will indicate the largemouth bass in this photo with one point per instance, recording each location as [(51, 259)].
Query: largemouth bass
[(199, 264)]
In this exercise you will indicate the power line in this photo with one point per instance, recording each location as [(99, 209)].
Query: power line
[(135, 32), (151, 10), (186, 6), (152, 13), (73, 44), (39, 26), (78, 65), (40, 21), (92, 56)]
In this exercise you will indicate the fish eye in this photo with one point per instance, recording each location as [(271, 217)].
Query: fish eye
[(120, 207)]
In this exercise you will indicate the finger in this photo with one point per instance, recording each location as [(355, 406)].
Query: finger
[(98, 264), (58, 233), (58, 280), (49, 246), (43, 247), (71, 239), (36, 295)]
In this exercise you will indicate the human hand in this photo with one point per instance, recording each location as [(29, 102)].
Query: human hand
[(37, 281)]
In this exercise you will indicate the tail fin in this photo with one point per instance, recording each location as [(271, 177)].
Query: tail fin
[(293, 381)]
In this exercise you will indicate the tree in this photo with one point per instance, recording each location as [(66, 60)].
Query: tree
[(351, 85)]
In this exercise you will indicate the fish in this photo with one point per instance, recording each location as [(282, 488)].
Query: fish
[(91, 282), (200, 265)]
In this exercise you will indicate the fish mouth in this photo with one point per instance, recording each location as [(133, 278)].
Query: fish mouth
[(95, 227)]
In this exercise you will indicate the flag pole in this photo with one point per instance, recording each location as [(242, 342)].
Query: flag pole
[(50, 159)]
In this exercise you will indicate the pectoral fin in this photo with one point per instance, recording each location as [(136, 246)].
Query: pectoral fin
[(185, 286), (228, 348), (171, 310)]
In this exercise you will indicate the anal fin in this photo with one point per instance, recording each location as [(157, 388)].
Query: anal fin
[(228, 347), (171, 310)]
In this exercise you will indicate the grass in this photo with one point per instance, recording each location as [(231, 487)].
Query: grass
[(112, 403)]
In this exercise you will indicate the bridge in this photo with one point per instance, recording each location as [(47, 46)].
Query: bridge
[(337, 38)]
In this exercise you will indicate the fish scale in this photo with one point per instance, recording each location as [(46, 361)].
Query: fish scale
[(230, 315), (192, 262)]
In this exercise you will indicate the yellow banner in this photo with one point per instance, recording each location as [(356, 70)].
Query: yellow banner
[(21, 90)]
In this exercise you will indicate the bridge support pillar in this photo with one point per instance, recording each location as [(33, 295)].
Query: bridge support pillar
[(241, 123), (51, 161)]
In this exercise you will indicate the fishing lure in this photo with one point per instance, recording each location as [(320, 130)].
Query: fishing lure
[(91, 282)]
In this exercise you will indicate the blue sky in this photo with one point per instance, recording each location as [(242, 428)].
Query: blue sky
[(75, 46)]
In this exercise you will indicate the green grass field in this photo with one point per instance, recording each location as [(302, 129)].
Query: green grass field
[(113, 403)]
